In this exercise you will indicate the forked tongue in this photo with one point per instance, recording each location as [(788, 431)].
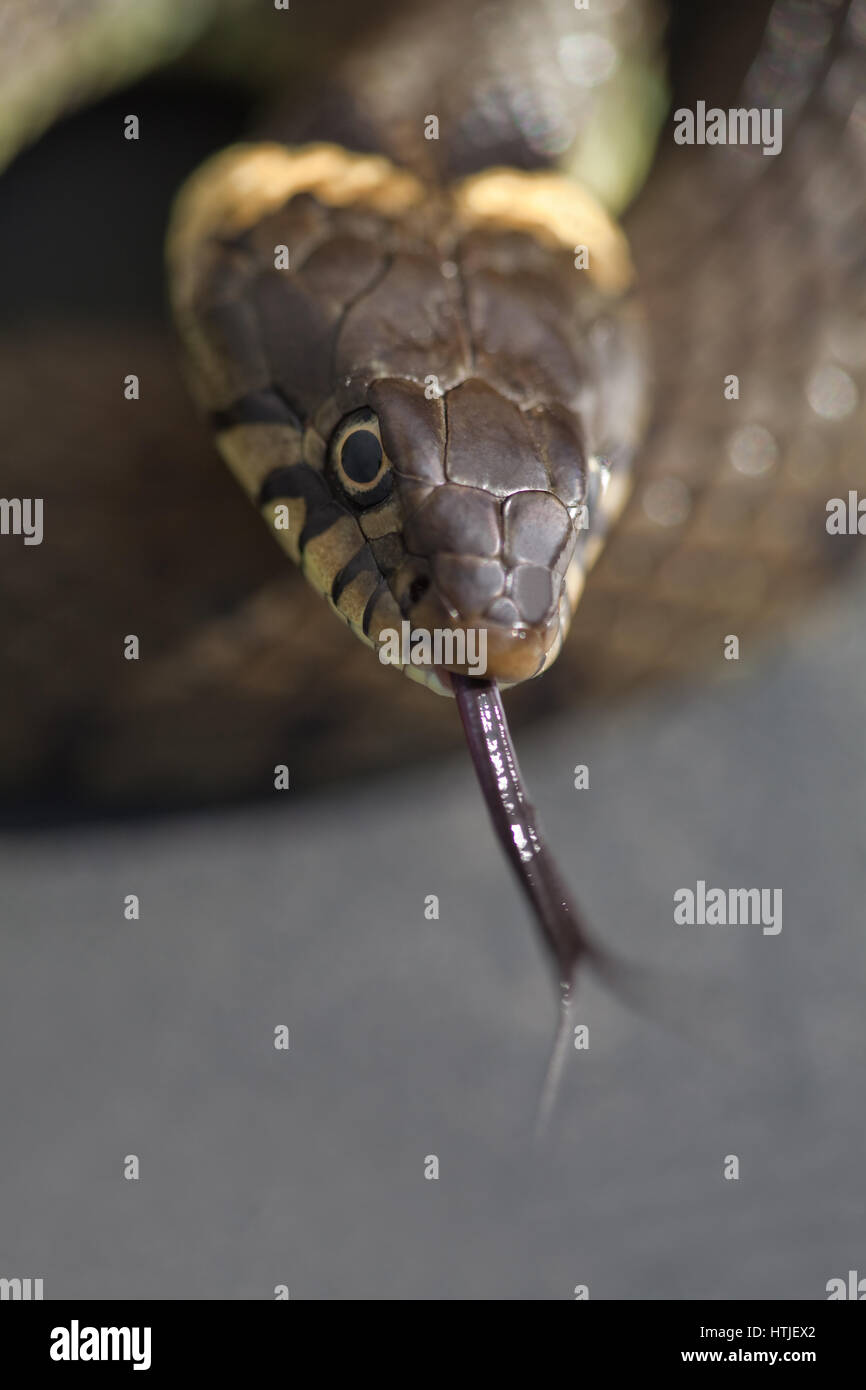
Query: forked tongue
[(561, 925), (704, 1021)]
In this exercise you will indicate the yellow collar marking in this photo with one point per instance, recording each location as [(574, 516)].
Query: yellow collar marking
[(236, 188), (244, 183), (556, 210)]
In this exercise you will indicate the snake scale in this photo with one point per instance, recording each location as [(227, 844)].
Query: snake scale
[(414, 260)]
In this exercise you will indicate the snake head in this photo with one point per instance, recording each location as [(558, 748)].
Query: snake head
[(433, 407)]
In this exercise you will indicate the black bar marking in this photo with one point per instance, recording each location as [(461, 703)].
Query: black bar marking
[(371, 606), (320, 519), (294, 480), (266, 407), (300, 480), (361, 562)]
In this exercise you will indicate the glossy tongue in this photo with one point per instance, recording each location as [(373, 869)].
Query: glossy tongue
[(516, 824), (678, 1004)]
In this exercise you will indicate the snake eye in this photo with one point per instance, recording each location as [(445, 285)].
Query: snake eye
[(359, 460), (361, 457)]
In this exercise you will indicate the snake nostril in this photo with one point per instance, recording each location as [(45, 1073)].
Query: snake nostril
[(417, 589)]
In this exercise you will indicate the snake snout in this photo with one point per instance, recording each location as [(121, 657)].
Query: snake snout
[(489, 496), (490, 571), (460, 605)]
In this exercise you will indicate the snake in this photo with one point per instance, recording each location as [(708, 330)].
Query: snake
[(492, 350)]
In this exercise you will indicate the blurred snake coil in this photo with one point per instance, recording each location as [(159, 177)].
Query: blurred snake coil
[(508, 279)]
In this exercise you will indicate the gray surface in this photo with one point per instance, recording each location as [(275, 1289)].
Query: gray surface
[(412, 1037)]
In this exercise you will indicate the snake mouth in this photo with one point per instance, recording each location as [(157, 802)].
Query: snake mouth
[(441, 640)]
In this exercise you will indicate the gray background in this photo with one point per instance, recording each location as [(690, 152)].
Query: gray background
[(411, 1037)]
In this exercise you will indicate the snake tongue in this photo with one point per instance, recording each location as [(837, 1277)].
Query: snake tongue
[(517, 827), (519, 832)]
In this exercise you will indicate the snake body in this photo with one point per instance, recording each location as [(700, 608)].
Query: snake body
[(432, 299)]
